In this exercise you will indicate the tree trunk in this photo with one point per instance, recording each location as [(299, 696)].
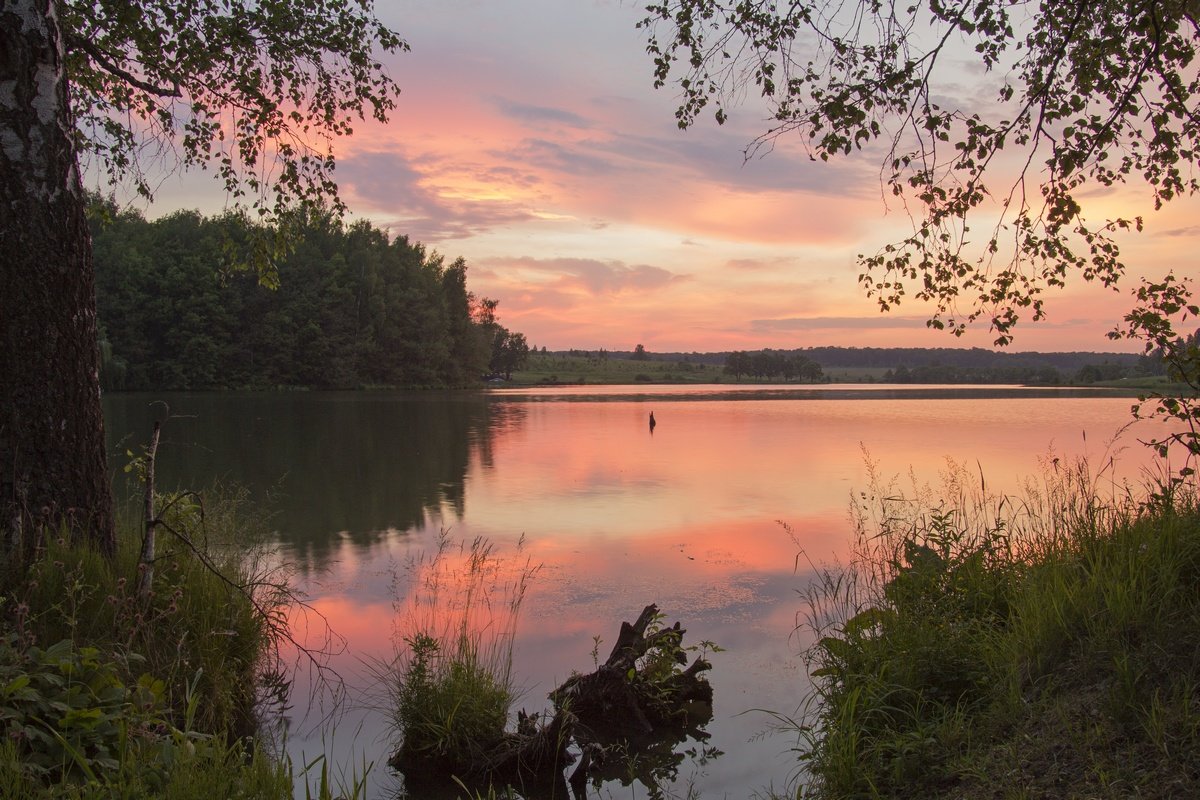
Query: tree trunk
[(52, 460)]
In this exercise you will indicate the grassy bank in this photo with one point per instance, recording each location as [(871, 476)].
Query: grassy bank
[(105, 694), (556, 369), (984, 647)]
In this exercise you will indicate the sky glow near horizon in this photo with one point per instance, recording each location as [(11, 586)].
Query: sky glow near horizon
[(529, 140)]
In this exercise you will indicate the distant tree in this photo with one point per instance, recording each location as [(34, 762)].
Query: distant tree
[(640, 354), (767, 364), (1047, 376), (509, 352), (1091, 373), (803, 368), (737, 364)]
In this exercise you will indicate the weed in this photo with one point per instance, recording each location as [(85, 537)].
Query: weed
[(1056, 630), (212, 609), (452, 678), (104, 693)]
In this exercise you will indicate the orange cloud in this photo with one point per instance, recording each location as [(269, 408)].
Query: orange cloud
[(534, 145)]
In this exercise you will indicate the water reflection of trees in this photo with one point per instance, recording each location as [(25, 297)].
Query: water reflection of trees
[(355, 464)]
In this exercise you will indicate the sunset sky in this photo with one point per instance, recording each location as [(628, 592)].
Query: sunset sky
[(530, 141)]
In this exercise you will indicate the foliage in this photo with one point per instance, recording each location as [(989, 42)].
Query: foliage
[(1157, 321), (936, 373), (450, 703), (976, 358), (73, 728), (158, 696), (1086, 96), (258, 91), (208, 629), (354, 308), (980, 645), (656, 671), (552, 368), (69, 714), (453, 675), (510, 351), (131, 697), (769, 364)]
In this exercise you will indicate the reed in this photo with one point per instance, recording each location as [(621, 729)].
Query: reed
[(105, 692), (982, 644), (452, 678)]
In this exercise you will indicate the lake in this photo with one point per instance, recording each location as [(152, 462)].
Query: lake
[(690, 516)]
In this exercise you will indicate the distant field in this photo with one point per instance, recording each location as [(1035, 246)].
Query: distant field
[(1153, 383), (554, 369), (564, 369)]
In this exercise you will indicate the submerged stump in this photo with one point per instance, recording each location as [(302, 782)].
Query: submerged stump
[(639, 690), (643, 700)]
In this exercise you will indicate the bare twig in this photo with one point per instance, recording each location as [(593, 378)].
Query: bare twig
[(146, 560)]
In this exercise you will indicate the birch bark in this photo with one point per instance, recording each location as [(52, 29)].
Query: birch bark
[(53, 470)]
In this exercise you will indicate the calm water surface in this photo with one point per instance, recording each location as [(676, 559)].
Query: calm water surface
[(687, 517)]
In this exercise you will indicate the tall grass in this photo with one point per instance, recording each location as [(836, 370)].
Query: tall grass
[(210, 625), (452, 677), (105, 693), (968, 620)]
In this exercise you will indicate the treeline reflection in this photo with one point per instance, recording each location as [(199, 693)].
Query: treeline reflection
[(359, 464)]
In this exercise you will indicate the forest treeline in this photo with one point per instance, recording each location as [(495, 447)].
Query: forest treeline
[(978, 358), (1027, 375), (353, 308), (910, 364), (973, 358)]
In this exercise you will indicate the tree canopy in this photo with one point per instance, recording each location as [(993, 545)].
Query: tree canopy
[(353, 308), (1079, 96), (771, 364), (257, 90)]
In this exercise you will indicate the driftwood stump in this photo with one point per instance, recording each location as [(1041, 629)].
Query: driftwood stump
[(639, 689), (638, 703)]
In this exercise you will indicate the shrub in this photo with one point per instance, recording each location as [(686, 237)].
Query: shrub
[(453, 679), (105, 693), (71, 727), (209, 626), (966, 621), (450, 700)]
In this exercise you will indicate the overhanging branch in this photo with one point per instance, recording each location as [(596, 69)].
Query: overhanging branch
[(109, 65)]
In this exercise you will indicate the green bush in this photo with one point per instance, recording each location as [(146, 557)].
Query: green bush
[(452, 680), (450, 701), (979, 645), (71, 727), (209, 626), (104, 693)]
